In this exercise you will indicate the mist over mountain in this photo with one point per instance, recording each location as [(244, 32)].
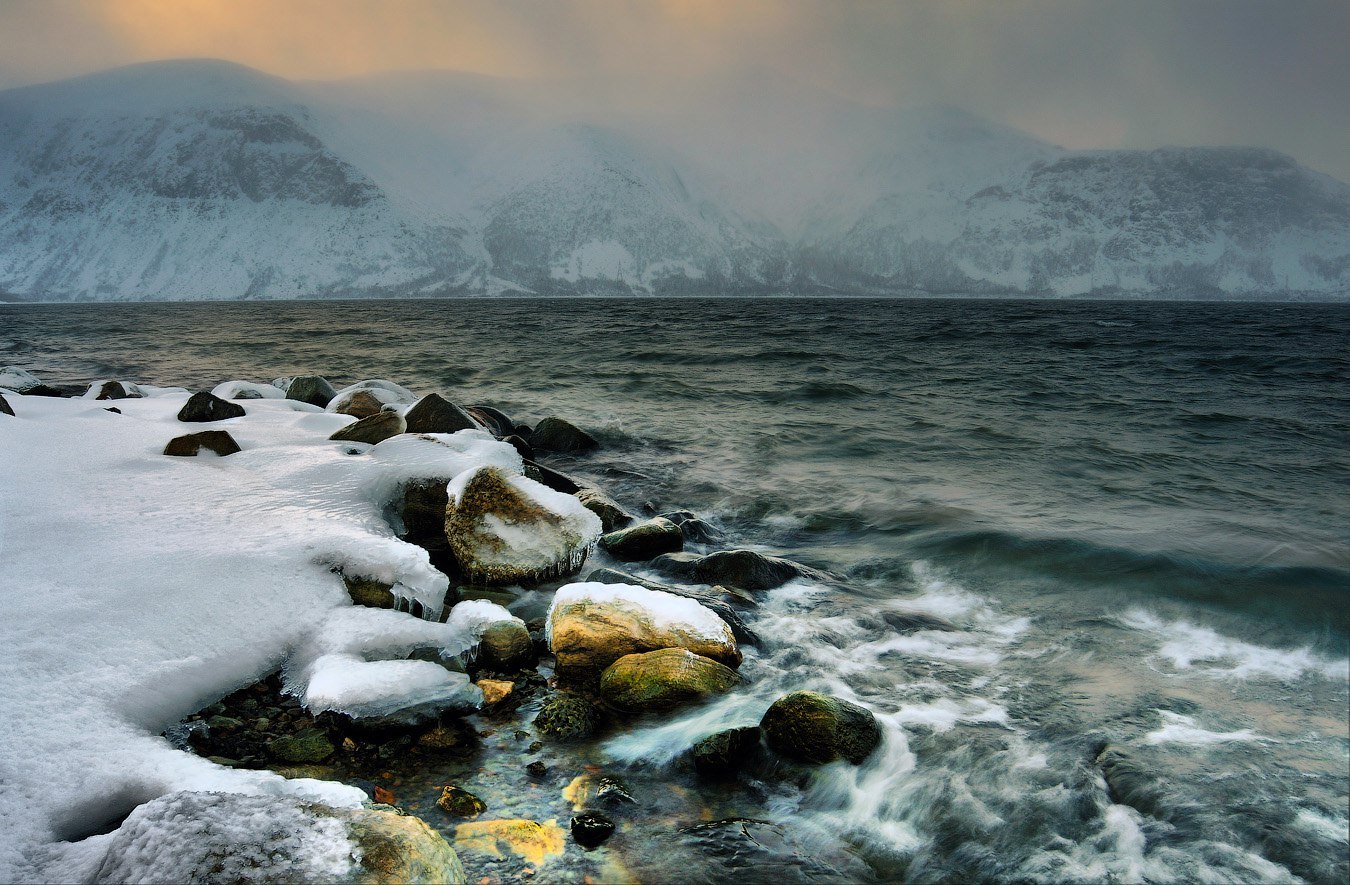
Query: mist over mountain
[(208, 180)]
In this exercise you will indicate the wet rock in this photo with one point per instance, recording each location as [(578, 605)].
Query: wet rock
[(5, 407), (590, 789), (369, 592), (372, 429), (739, 568), (593, 625), (707, 600), (662, 680), (567, 717), (590, 829), (1129, 782), (435, 414), (217, 441), (536, 769), (506, 647), (913, 622), (531, 840), (506, 529), (310, 745), (115, 390), (693, 528), (312, 389), (203, 406), (495, 690), (612, 516), (554, 479), (460, 802), (423, 513), (187, 837), (817, 728), (358, 403), (557, 435), (494, 420), (643, 541), (727, 752), (442, 738), (520, 445)]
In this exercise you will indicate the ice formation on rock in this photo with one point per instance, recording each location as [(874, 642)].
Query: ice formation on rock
[(505, 528)]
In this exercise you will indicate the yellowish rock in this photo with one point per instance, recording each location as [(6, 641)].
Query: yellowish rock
[(528, 839), (495, 690)]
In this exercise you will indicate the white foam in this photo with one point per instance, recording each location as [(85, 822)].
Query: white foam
[(1179, 729), (1191, 647)]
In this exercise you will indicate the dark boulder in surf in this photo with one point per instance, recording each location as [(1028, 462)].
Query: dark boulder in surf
[(817, 728)]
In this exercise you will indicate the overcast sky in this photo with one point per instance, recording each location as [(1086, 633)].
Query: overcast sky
[(1081, 73)]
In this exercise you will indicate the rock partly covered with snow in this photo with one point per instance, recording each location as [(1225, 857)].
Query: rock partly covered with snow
[(218, 441), (18, 380), (228, 837), (203, 407), (504, 528), (247, 390), (590, 626), (385, 393)]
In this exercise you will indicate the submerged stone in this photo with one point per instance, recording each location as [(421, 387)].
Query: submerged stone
[(817, 728), (534, 841), (310, 745), (662, 680), (460, 802), (725, 753), (590, 829), (218, 441), (203, 407)]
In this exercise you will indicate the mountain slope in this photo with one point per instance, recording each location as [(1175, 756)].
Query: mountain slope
[(204, 179)]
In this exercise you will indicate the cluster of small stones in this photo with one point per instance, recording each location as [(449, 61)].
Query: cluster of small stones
[(262, 727)]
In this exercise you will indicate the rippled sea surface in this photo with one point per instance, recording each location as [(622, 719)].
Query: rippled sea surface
[(1094, 558)]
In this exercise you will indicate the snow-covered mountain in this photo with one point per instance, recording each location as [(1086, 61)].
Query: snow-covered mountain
[(204, 179)]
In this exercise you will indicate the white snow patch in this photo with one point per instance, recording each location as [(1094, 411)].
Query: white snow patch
[(387, 392), (663, 610), (247, 390)]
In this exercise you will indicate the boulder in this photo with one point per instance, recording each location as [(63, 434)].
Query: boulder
[(312, 389), (18, 380), (506, 647), (113, 390), (232, 837), (504, 529), (435, 414), (554, 479), (493, 419), (739, 630), (727, 752), (612, 516), (557, 435), (423, 513), (373, 429), (694, 529), (386, 393), (358, 403), (590, 829), (203, 407), (657, 681), (590, 626), (495, 690), (218, 441), (247, 390), (370, 592), (738, 568), (812, 727), (519, 444), (567, 717), (643, 541), (5, 408)]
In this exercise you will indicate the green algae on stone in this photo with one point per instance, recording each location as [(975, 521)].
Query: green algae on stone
[(817, 728), (310, 745), (662, 680)]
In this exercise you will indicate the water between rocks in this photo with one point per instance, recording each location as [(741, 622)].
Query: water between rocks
[(1094, 562)]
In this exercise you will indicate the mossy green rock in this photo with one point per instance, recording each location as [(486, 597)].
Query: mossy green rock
[(567, 717), (663, 680), (812, 727), (506, 647), (310, 745), (643, 541), (368, 592)]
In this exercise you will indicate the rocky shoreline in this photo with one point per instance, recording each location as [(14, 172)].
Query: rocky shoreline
[(592, 656)]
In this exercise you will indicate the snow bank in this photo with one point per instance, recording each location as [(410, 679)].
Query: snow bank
[(138, 587)]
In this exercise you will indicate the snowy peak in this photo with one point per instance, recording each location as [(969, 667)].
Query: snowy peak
[(205, 179)]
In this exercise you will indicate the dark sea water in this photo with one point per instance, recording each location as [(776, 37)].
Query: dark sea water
[(1133, 520)]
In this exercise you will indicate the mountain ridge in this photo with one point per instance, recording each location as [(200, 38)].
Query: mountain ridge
[(206, 179)]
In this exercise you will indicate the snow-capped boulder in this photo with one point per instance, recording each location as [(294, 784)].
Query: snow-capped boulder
[(247, 390), (230, 837), (386, 393), (104, 390), (504, 528), (661, 680), (590, 626), (18, 380), (372, 429), (358, 404)]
